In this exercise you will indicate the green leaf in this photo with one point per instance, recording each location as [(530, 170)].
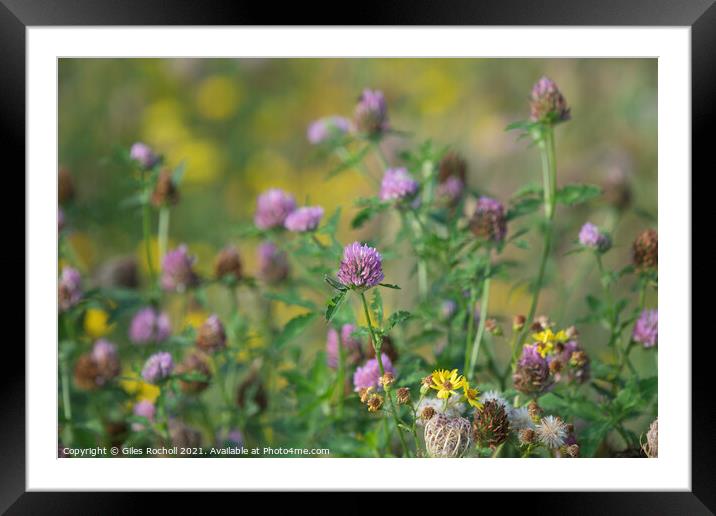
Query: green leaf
[(376, 304), (577, 194), (335, 283), (389, 285), (397, 318), (523, 207), (334, 304), (294, 328)]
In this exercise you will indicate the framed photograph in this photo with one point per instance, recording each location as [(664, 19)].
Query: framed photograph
[(341, 252)]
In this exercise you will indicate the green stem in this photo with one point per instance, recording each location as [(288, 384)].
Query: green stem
[(483, 317), (549, 179), (341, 375), (420, 230), (65, 372), (377, 346), (146, 228), (163, 231), (470, 325)]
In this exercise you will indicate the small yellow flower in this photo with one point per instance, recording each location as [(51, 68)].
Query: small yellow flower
[(471, 395), (546, 340), (446, 382), (96, 323)]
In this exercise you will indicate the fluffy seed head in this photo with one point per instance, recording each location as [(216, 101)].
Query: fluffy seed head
[(551, 432), (447, 437)]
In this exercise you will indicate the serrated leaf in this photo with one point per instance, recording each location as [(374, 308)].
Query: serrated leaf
[(334, 304), (577, 194), (397, 318), (335, 283)]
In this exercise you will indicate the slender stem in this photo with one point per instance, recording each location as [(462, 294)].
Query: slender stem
[(163, 231), (146, 227), (64, 368), (483, 317), (419, 229), (340, 380), (379, 357), (549, 178), (470, 325)]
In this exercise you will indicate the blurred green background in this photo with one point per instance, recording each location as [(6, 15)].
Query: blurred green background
[(240, 126)]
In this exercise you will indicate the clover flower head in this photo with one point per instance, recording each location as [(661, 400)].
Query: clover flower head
[(144, 155), (551, 432), (69, 289), (273, 263), (144, 409), (228, 263), (451, 190), (361, 267), (590, 236), (350, 344), (272, 208), (211, 336), (371, 112), (149, 325), (327, 128), (645, 250), (452, 164), (532, 374), (368, 375), (177, 270), (158, 367), (304, 219), (646, 328), (489, 220), (398, 185), (547, 104), (447, 383), (491, 425)]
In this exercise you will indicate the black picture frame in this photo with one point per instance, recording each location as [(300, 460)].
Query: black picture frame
[(16, 15)]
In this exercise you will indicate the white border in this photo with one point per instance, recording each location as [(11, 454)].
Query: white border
[(670, 471)]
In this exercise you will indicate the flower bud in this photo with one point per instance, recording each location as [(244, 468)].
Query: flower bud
[(518, 322), (65, 186), (534, 410), (371, 113), (427, 413), (194, 364), (646, 250), (492, 327), (387, 380), (211, 336), (165, 191), (425, 384), (547, 104), (403, 395), (488, 221), (452, 164), (144, 155), (490, 425), (375, 402), (228, 263)]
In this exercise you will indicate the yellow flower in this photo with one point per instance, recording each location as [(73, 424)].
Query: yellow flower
[(471, 395), (546, 340), (446, 382), (134, 385), (96, 323)]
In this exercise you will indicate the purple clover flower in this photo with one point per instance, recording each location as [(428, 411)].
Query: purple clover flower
[(145, 409), (590, 236), (273, 263), (177, 272), (646, 328), (368, 375), (272, 208), (351, 346), (371, 113), (304, 219), (149, 326), (327, 128), (144, 155), (532, 374), (451, 190), (158, 367), (489, 220), (361, 267), (547, 104), (398, 185), (69, 290), (104, 352)]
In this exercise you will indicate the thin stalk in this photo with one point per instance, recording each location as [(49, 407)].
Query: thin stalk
[(146, 229), (163, 231), (483, 317), (65, 373), (340, 380), (549, 179), (470, 325), (379, 357), (419, 230)]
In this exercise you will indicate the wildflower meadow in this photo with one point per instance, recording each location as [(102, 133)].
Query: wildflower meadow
[(401, 301)]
